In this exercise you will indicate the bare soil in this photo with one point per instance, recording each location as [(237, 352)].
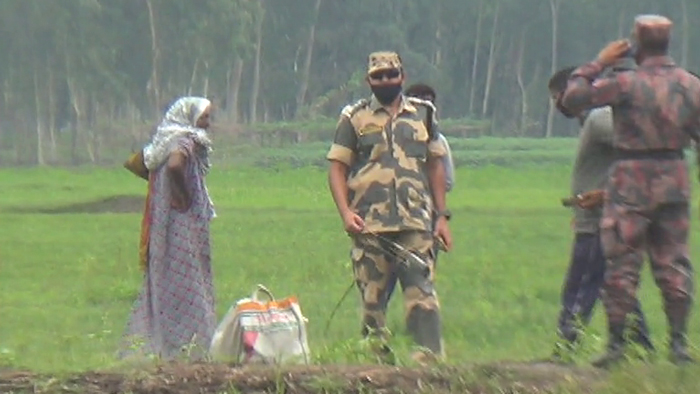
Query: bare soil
[(219, 378), (111, 204)]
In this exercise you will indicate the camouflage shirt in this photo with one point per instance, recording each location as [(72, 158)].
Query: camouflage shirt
[(655, 107), (388, 181)]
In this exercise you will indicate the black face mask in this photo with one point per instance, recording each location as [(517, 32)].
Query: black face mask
[(385, 94)]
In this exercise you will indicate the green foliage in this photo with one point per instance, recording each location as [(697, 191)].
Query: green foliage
[(466, 152), (105, 49), (80, 65)]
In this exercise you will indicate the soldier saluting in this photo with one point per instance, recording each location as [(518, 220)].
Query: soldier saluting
[(386, 177), (656, 113)]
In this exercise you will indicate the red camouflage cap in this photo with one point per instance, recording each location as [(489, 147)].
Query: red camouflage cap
[(652, 29)]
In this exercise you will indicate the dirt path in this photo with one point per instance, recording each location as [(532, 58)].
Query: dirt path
[(219, 379), (111, 204)]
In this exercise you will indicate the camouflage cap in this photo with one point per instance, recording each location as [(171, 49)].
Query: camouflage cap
[(652, 29), (383, 60)]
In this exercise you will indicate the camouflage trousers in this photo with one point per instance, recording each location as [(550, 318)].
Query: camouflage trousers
[(391, 284), (627, 232), (375, 262)]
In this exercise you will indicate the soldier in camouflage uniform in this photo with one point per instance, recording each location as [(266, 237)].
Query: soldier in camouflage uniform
[(426, 92), (586, 271), (386, 177), (656, 112)]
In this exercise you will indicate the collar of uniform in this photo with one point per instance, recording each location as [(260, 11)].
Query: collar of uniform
[(405, 105), (662, 60)]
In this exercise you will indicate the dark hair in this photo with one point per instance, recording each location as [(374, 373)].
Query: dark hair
[(558, 81), (421, 90)]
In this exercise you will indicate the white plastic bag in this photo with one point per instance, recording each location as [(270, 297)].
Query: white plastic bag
[(269, 332)]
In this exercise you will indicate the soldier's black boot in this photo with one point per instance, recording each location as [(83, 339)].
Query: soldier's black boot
[(566, 344), (640, 336), (679, 350), (643, 340), (567, 338), (425, 327), (562, 353), (677, 313), (381, 350), (616, 348), (377, 340), (679, 345)]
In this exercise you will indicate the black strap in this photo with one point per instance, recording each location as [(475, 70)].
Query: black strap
[(654, 154), (429, 122)]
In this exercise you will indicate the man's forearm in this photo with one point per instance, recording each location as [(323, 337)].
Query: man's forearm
[(578, 95), (436, 177), (338, 186)]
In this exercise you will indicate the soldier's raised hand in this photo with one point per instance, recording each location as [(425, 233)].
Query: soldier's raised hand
[(613, 51)]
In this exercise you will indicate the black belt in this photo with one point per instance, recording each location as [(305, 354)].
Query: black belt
[(654, 154)]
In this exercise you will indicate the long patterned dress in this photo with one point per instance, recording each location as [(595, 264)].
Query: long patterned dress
[(174, 315)]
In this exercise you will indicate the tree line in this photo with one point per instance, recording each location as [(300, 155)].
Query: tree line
[(82, 76)]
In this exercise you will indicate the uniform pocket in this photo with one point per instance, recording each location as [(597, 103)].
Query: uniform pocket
[(611, 239), (413, 139), (372, 145)]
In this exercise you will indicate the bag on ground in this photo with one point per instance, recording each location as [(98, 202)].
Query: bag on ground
[(257, 332)]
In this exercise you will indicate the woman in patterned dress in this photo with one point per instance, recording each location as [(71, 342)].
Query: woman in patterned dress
[(174, 315)]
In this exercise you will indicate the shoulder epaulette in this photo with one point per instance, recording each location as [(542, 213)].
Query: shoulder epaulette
[(350, 109)]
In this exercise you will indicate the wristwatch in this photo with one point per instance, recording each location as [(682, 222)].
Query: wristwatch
[(446, 213)]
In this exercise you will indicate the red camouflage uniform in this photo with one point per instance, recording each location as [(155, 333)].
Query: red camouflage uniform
[(656, 111)]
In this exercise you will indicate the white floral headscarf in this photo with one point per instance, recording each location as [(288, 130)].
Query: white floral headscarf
[(180, 120)]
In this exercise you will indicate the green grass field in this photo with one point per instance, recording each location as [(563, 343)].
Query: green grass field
[(68, 280)]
